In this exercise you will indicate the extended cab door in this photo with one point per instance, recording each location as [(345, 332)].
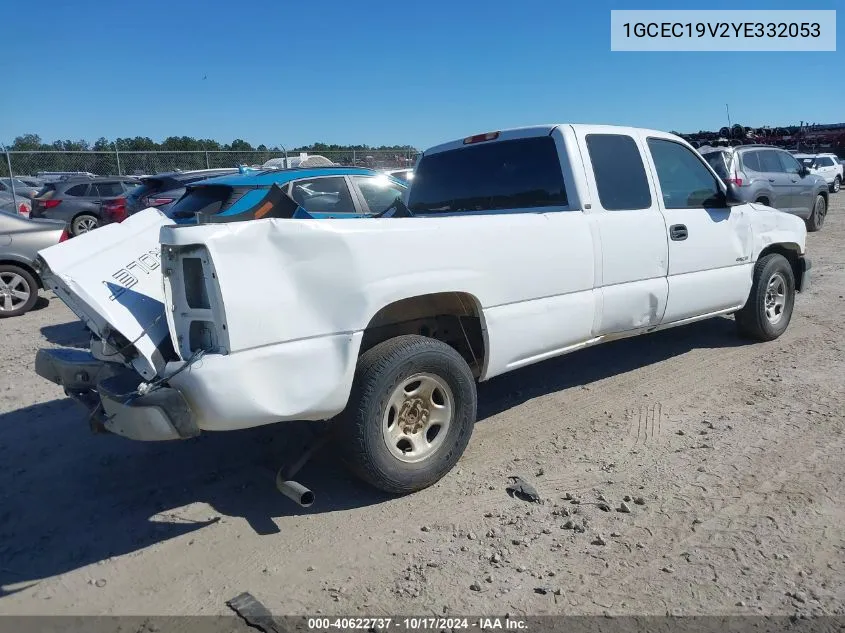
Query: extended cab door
[(709, 243), (623, 210)]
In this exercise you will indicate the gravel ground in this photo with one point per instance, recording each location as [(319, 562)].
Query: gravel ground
[(727, 457)]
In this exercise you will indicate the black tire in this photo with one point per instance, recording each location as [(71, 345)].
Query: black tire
[(380, 372), (23, 282), (837, 184), (78, 224), (817, 215), (752, 320), (762, 201)]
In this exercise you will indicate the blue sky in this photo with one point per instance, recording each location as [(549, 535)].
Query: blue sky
[(377, 72)]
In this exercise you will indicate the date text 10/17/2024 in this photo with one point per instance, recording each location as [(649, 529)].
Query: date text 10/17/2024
[(417, 624)]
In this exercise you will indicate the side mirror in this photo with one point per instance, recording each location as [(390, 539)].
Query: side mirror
[(732, 196), (804, 171)]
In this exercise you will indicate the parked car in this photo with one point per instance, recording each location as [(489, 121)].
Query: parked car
[(162, 190), (79, 201), (322, 192), (22, 190), (515, 247), (773, 177), (54, 176), (825, 165), (31, 181), (20, 241), (17, 204)]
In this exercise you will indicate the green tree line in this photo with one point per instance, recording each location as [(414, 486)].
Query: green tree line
[(33, 142), (154, 158)]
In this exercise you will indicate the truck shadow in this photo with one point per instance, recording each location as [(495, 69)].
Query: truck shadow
[(69, 499), (73, 334), (595, 363)]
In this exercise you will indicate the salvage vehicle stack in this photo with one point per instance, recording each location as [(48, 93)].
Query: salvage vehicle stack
[(509, 248)]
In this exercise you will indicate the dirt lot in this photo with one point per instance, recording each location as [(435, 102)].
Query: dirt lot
[(731, 454)]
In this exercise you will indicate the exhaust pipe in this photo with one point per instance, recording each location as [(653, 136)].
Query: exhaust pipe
[(295, 491)]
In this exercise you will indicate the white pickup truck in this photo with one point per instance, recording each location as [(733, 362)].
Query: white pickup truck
[(520, 245)]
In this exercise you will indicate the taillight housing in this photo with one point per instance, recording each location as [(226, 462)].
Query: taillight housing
[(738, 179), (115, 210), (157, 202), (65, 236), (49, 204)]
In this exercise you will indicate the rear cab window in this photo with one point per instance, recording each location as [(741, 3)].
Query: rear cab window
[(513, 174)]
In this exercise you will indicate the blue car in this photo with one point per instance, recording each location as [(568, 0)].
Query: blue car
[(318, 192)]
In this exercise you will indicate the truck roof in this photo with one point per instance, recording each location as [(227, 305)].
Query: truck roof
[(544, 130)]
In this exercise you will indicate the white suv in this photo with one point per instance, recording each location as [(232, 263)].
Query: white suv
[(825, 165)]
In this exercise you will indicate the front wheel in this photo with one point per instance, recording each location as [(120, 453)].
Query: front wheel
[(816, 219), (768, 310), (410, 414), (837, 183)]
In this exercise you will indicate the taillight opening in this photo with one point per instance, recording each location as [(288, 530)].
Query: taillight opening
[(49, 204), (65, 236)]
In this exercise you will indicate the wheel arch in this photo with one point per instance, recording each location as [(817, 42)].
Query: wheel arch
[(7, 260), (455, 317), (792, 252)]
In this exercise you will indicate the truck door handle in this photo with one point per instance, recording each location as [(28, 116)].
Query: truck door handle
[(678, 232)]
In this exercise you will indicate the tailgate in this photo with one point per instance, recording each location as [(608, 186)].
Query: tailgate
[(111, 279)]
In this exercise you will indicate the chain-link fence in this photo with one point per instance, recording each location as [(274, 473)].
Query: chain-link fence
[(113, 163)]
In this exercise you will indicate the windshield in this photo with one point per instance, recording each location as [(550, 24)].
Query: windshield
[(521, 173)]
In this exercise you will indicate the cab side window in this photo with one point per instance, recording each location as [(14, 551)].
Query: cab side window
[(619, 171), (684, 180)]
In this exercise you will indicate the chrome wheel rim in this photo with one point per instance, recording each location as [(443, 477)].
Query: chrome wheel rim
[(836, 186), (820, 210), (14, 291), (775, 298), (417, 417), (83, 225)]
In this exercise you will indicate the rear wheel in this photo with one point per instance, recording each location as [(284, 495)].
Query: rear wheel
[(837, 183), (84, 223), (816, 219), (18, 291), (410, 415), (764, 201), (767, 312)]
